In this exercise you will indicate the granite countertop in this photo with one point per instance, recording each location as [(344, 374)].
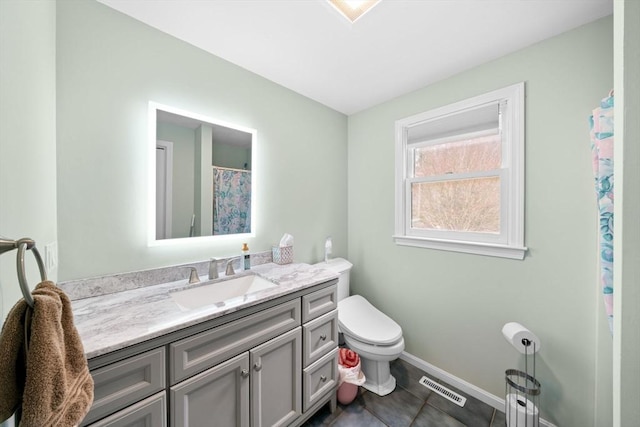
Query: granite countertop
[(114, 321)]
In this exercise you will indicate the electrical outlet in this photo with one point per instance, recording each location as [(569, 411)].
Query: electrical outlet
[(51, 256)]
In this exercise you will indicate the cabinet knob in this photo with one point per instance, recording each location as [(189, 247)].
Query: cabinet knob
[(257, 366), (244, 373), (323, 337), (323, 378)]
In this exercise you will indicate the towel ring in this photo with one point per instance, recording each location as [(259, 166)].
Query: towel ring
[(22, 245), (22, 277)]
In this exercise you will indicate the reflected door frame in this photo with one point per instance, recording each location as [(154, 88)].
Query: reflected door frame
[(164, 188)]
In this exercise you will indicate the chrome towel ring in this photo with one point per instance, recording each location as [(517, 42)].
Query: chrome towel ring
[(23, 245)]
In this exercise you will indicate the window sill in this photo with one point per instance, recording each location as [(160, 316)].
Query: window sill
[(502, 251)]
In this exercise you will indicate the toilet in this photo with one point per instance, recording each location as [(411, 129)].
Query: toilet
[(367, 331)]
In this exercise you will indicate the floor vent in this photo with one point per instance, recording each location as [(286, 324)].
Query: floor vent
[(443, 391)]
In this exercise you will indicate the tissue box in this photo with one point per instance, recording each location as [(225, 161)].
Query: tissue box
[(282, 254)]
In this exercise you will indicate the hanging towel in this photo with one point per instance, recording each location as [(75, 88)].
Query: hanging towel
[(48, 374)]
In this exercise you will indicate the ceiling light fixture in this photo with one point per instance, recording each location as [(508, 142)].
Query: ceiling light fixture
[(353, 9)]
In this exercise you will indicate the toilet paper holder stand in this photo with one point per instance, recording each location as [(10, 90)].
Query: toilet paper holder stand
[(522, 392)]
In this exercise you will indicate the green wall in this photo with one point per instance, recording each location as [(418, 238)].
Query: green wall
[(183, 181), (452, 306), (231, 156), (109, 67), (27, 136)]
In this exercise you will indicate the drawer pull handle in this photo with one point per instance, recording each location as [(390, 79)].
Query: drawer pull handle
[(244, 373), (323, 337), (257, 366), (323, 378)]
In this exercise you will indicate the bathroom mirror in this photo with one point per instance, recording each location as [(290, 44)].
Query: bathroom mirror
[(201, 180)]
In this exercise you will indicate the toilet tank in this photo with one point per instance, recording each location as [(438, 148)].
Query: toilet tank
[(342, 267)]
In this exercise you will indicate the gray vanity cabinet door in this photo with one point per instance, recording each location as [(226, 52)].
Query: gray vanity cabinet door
[(276, 380), (218, 396)]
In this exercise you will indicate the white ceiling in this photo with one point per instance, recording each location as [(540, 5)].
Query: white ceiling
[(397, 47)]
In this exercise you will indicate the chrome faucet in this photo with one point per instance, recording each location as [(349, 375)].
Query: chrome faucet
[(229, 271), (193, 275), (213, 268)]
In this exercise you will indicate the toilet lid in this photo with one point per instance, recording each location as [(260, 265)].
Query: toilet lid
[(359, 319)]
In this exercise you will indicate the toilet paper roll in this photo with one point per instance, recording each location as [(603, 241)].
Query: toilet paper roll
[(521, 412), (518, 335)]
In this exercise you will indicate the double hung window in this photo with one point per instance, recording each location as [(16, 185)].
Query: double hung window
[(460, 176)]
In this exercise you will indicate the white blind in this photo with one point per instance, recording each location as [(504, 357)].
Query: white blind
[(477, 119)]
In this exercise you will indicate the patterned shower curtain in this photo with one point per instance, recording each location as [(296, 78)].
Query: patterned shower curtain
[(231, 201), (601, 123)]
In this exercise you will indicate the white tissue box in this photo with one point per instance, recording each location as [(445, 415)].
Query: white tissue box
[(282, 255)]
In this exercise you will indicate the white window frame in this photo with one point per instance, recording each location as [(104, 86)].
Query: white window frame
[(509, 243)]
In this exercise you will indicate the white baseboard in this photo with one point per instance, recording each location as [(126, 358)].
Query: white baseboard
[(470, 389)]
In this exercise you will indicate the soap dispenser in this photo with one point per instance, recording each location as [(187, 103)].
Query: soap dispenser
[(327, 249), (246, 258)]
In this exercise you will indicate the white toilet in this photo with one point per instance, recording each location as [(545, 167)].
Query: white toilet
[(367, 331)]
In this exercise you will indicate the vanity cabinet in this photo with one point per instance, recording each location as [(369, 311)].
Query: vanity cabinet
[(260, 387), (276, 381), (150, 412), (273, 366), (223, 390), (320, 347), (121, 384)]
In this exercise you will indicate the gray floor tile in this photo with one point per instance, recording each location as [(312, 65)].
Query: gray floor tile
[(498, 419), (406, 407), (396, 409), (433, 417), (323, 417), (407, 376), (356, 415), (474, 413)]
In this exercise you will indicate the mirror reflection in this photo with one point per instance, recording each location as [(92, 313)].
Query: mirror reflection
[(203, 177)]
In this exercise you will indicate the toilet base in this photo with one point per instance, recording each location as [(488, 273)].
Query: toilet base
[(378, 376)]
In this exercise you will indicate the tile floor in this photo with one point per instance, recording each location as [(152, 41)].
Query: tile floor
[(409, 405)]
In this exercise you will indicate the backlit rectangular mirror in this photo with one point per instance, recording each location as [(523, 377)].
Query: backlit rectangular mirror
[(202, 180)]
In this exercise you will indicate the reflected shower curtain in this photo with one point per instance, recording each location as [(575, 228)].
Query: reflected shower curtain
[(601, 123), (231, 201)]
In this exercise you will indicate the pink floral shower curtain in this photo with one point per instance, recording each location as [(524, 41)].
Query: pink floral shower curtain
[(601, 123), (231, 201)]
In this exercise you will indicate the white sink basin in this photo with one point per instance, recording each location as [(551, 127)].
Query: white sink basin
[(219, 291)]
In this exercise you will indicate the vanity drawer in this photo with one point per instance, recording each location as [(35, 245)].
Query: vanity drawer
[(125, 382), (206, 349), (150, 412), (318, 303), (319, 337), (319, 379)]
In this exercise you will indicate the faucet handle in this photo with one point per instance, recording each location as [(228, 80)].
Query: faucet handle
[(213, 268), (229, 271), (193, 275)]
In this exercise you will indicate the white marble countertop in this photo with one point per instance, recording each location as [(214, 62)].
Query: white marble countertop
[(111, 322)]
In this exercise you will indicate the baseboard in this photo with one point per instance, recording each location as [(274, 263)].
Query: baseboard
[(468, 388)]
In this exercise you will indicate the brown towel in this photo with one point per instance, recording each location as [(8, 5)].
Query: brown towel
[(55, 387)]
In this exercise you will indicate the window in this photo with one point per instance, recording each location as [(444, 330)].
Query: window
[(460, 176)]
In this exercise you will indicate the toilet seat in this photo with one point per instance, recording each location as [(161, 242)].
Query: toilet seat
[(375, 352), (366, 324)]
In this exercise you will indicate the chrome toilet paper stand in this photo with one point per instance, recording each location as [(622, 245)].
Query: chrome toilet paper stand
[(525, 389)]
